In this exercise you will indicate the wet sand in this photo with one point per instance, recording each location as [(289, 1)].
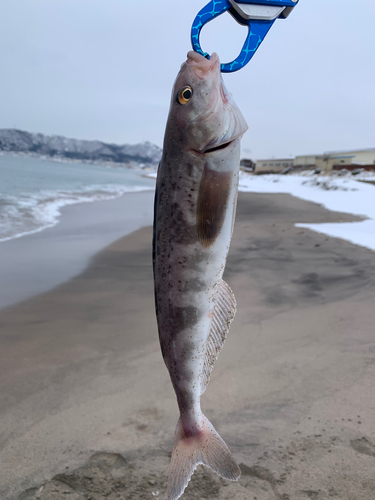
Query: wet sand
[(87, 410), (38, 262)]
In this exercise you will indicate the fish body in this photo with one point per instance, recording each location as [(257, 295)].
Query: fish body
[(195, 204)]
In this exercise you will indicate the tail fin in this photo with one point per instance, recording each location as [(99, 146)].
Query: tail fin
[(208, 448)]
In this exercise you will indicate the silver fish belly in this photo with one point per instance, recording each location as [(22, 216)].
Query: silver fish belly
[(195, 204)]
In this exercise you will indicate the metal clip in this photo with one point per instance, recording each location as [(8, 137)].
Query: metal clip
[(258, 15)]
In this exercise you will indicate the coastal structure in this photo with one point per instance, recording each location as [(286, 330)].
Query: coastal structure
[(305, 161), (337, 160), (273, 165), (247, 165), (331, 160)]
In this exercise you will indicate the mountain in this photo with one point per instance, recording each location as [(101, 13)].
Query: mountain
[(142, 155)]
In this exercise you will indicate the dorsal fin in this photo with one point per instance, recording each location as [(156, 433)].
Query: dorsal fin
[(224, 311)]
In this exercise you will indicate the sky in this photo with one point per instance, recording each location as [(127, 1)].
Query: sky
[(104, 69)]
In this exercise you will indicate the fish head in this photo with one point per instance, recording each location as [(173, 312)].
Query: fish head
[(203, 115)]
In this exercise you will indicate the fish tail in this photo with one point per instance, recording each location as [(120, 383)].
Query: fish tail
[(206, 448)]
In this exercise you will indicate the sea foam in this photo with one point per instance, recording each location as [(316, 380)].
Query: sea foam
[(27, 213)]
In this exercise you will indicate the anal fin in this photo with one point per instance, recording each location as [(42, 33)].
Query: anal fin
[(224, 312)]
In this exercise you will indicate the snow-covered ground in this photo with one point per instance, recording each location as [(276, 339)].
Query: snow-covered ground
[(340, 194)]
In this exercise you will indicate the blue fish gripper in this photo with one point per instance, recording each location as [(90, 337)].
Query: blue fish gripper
[(258, 15)]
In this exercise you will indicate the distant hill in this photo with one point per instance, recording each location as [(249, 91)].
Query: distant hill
[(144, 154)]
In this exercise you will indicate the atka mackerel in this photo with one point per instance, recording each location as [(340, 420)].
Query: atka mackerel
[(195, 205)]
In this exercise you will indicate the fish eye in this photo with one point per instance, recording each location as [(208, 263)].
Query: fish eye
[(185, 94)]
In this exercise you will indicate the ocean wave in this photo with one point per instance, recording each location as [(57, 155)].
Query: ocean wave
[(28, 213)]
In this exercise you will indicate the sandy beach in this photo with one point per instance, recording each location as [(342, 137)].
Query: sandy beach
[(87, 410)]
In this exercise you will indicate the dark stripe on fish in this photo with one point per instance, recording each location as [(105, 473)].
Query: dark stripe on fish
[(178, 320), (213, 197)]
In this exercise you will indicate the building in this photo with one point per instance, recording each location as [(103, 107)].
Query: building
[(305, 161), (337, 160), (331, 160), (247, 165), (272, 166)]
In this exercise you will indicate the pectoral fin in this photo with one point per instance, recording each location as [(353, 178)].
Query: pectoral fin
[(212, 204)]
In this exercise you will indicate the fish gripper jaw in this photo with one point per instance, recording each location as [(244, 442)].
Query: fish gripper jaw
[(258, 15)]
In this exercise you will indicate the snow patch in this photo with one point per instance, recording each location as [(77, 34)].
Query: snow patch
[(339, 194)]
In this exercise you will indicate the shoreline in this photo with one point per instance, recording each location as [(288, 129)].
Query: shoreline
[(29, 287), (39, 261), (58, 206), (85, 392), (37, 206)]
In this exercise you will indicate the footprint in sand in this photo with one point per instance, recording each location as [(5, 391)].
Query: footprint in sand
[(364, 446)]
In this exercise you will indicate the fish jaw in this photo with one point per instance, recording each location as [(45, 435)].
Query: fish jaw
[(211, 118)]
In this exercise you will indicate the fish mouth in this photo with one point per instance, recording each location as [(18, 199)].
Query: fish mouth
[(213, 149), (223, 145), (201, 65)]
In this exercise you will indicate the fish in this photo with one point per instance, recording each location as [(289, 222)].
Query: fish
[(195, 205)]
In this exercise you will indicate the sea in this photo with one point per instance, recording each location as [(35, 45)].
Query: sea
[(33, 190)]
